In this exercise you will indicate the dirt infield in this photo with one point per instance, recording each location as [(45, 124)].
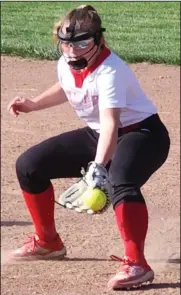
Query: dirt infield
[(90, 240)]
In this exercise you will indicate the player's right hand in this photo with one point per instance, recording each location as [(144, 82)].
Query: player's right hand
[(20, 105)]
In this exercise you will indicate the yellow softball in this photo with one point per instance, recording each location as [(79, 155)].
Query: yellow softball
[(95, 199)]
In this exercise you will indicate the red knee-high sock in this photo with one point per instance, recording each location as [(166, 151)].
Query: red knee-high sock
[(41, 208), (132, 221)]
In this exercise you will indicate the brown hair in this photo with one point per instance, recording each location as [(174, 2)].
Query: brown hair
[(85, 17)]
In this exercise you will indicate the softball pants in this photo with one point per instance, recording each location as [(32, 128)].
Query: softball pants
[(140, 152)]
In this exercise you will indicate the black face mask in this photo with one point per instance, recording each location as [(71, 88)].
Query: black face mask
[(82, 62), (78, 64)]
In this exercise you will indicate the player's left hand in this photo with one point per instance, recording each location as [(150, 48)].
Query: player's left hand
[(95, 176)]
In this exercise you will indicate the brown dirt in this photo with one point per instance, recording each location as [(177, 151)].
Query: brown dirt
[(89, 239)]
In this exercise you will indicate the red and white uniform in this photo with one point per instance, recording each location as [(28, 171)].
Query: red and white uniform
[(107, 84)]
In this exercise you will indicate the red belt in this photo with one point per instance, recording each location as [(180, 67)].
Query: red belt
[(129, 128)]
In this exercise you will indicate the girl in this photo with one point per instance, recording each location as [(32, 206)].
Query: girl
[(123, 144)]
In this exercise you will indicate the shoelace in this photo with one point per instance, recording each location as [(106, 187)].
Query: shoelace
[(31, 240), (126, 264), (124, 260)]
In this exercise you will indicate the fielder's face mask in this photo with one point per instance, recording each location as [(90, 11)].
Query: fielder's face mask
[(79, 41)]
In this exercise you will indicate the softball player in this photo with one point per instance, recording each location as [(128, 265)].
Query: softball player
[(123, 144)]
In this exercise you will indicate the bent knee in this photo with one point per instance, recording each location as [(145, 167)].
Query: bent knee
[(30, 173), (126, 192), (24, 165)]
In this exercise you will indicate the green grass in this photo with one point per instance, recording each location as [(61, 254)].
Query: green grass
[(137, 31)]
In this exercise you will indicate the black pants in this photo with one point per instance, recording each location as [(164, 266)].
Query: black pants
[(138, 155)]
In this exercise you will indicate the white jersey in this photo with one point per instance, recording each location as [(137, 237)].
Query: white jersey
[(109, 83)]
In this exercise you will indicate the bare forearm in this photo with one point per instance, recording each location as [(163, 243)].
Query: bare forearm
[(51, 97), (106, 146)]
